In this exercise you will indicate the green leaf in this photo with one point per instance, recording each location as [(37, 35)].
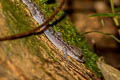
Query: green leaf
[(106, 14)]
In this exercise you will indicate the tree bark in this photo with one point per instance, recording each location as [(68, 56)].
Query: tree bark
[(33, 57)]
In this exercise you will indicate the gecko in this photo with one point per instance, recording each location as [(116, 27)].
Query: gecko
[(53, 36)]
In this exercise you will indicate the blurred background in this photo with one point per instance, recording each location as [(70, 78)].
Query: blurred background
[(79, 12)]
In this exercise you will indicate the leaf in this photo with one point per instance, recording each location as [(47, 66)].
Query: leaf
[(105, 14), (109, 72)]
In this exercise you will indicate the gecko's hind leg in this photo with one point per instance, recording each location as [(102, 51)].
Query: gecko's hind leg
[(66, 57), (65, 54)]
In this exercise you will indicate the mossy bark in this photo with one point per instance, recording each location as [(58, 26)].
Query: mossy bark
[(35, 57)]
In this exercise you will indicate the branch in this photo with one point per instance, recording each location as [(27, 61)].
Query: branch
[(31, 32)]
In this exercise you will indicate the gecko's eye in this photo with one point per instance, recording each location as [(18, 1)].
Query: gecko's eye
[(82, 58)]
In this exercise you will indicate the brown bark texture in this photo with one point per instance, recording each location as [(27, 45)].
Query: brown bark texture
[(34, 57)]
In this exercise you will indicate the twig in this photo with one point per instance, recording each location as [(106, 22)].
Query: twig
[(32, 31)]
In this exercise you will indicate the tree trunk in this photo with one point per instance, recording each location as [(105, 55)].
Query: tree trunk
[(33, 57)]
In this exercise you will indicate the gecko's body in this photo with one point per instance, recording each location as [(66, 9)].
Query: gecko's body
[(53, 36)]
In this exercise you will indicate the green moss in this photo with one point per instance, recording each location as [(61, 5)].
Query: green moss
[(23, 23), (15, 21)]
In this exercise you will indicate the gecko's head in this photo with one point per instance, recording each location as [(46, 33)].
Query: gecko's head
[(78, 55)]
